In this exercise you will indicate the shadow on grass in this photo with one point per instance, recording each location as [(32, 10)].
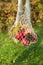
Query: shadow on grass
[(32, 50)]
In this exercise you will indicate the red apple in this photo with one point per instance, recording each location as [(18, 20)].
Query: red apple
[(17, 36), (25, 42), (20, 34), (21, 37)]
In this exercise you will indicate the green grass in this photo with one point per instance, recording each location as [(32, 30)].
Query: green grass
[(17, 54)]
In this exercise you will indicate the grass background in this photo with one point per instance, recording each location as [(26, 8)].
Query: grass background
[(17, 54)]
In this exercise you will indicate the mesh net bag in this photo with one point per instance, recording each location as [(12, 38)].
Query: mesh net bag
[(22, 30)]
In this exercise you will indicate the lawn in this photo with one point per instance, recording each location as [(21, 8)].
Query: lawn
[(17, 54)]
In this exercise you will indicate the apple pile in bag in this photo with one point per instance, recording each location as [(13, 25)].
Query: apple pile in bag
[(23, 34)]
